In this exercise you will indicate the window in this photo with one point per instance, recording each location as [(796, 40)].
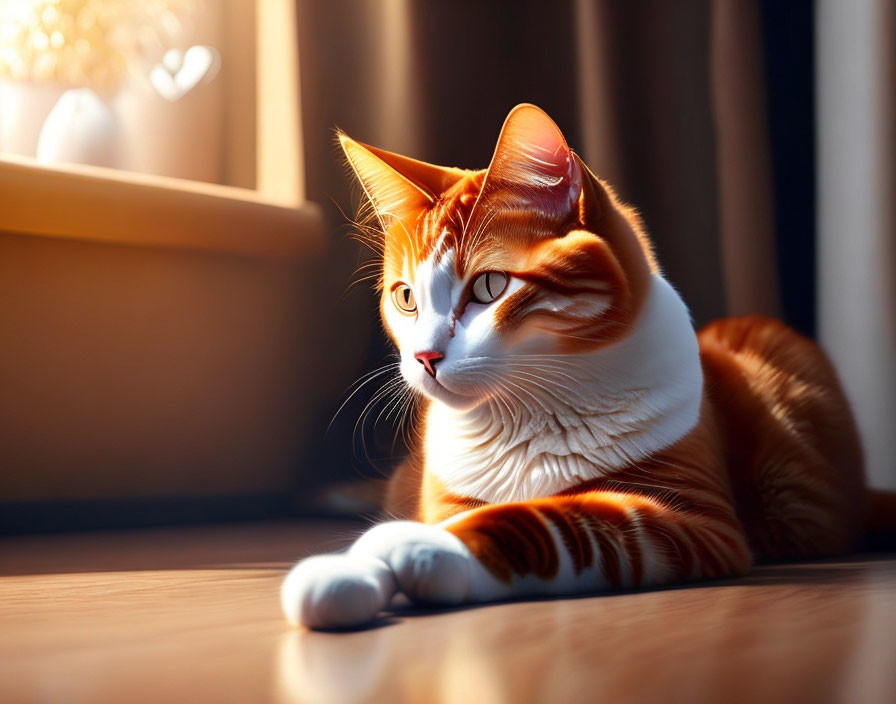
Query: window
[(142, 99)]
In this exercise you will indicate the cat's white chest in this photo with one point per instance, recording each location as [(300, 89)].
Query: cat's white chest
[(511, 459)]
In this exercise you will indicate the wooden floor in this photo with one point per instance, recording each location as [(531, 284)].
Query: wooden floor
[(191, 615)]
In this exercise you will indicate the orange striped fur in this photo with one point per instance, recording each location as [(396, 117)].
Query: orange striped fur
[(577, 434)]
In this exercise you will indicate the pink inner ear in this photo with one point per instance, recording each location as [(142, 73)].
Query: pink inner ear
[(532, 166)]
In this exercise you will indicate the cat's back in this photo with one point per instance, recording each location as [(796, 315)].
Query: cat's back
[(792, 447)]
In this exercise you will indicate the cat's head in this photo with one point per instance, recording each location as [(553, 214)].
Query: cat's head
[(488, 274)]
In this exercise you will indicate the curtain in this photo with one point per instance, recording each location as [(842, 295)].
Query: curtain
[(702, 114), (857, 216)]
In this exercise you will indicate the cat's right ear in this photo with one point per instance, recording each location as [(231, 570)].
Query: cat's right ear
[(398, 187)]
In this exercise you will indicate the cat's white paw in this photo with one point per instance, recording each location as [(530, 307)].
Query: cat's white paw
[(430, 564), (336, 591)]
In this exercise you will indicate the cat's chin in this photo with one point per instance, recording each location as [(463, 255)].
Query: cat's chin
[(435, 391)]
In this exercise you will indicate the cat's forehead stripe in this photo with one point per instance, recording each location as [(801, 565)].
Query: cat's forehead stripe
[(441, 227)]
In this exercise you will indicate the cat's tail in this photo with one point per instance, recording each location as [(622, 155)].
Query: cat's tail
[(880, 532)]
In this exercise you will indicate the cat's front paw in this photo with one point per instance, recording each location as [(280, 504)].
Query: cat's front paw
[(430, 564), (336, 591)]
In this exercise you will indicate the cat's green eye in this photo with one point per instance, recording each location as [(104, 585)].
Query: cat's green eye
[(404, 298), (488, 286)]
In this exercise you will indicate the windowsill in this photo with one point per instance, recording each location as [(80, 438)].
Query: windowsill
[(105, 205)]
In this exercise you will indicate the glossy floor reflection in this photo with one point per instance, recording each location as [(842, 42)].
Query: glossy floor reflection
[(192, 615)]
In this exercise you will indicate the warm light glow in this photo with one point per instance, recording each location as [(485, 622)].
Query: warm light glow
[(279, 170), (91, 43)]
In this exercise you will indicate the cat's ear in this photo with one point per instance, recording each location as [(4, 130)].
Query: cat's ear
[(397, 186), (532, 166)]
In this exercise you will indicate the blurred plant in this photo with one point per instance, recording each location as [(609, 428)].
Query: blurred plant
[(87, 43)]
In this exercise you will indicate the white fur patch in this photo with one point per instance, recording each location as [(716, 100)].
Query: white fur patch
[(336, 591), (345, 590), (430, 564), (573, 423)]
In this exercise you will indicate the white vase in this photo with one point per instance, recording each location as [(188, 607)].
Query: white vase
[(81, 129)]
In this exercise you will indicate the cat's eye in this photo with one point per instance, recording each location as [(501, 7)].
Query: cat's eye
[(488, 286), (404, 298)]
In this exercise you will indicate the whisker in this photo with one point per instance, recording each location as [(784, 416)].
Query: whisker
[(359, 384), (385, 392)]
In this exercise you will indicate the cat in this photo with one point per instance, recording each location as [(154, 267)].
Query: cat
[(577, 434)]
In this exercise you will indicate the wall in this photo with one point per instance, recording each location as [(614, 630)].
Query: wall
[(142, 372)]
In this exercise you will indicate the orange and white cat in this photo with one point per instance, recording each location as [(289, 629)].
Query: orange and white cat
[(578, 435)]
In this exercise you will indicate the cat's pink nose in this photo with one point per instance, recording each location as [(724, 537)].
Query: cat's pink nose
[(428, 359)]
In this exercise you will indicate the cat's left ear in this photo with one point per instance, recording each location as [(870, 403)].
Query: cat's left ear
[(532, 166), (397, 186)]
